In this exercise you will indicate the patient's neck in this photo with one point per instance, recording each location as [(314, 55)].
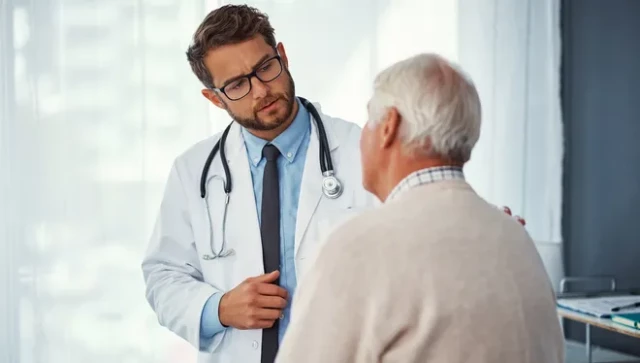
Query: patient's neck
[(402, 166)]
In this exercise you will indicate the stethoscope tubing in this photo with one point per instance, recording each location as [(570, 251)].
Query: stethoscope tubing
[(326, 166)]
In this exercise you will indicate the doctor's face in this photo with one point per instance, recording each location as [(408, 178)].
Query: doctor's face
[(262, 101)]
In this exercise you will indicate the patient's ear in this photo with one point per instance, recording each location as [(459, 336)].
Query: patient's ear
[(389, 128)]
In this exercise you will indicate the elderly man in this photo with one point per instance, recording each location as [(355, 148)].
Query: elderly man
[(436, 274)]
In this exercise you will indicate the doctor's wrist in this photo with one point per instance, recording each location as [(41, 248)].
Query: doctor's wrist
[(209, 322), (220, 311)]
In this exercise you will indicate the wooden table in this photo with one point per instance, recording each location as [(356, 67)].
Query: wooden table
[(602, 323)]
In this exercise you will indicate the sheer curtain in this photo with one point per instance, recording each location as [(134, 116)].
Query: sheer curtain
[(512, 51), (96, 102), (97, 99)]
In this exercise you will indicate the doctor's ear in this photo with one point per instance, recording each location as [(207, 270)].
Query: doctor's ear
[(283, 54), (389, 127), (212, 96)]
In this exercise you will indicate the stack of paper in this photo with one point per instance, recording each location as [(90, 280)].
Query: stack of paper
[(601, 306)]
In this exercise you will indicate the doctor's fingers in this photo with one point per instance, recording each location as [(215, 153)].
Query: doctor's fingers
[(266, 314), (270, 277), (272, 290), (520, 220), (274, 302)]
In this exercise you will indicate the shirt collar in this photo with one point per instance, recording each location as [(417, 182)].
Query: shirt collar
[(426, 176), (288, 142)]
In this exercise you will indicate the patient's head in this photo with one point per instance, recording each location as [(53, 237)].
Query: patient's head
[(424, 112)]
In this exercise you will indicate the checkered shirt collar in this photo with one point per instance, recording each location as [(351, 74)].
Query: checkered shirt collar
[(426, 176)]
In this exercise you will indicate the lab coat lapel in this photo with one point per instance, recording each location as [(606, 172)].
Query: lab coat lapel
[(311, 186), (243, 223)]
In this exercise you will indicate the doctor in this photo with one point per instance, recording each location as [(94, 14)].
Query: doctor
[(245, 211), (228, 249)]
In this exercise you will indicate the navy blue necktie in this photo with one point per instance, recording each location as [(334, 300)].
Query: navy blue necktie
[(270, 233)]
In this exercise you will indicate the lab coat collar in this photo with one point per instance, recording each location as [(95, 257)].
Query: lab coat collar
[(311, 186), (328, 126), (236, 142)]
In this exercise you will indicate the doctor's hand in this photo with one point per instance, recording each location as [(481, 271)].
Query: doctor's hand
[(517, 218), (254, 304)]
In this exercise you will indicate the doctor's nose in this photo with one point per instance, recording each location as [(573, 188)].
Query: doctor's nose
[(259, 89)]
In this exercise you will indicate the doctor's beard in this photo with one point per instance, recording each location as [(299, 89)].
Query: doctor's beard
[(255, 123)]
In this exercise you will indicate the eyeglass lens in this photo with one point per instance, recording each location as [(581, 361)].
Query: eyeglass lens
[(266, 72)]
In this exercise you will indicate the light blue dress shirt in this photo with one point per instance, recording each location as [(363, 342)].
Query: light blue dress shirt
[(292, 144)]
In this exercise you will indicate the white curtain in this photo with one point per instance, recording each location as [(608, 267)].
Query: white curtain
[(96, 99), (512, 51)]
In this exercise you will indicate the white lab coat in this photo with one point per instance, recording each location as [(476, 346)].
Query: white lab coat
[(179, 281)]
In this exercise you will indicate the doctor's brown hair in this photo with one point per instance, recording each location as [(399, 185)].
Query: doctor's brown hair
[(229, 24)]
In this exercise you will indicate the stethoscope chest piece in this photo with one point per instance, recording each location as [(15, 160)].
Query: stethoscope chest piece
[(331, 186)]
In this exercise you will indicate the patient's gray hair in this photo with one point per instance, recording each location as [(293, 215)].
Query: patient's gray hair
[(438, 103)]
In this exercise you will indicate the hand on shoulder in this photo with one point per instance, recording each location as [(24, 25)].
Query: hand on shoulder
[(517, 218)]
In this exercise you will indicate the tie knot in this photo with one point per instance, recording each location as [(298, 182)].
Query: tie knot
[(270, 152)]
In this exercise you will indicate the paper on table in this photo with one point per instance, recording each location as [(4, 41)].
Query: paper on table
[(600, 306)]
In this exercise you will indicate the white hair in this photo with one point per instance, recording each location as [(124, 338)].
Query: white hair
[(439, 105)]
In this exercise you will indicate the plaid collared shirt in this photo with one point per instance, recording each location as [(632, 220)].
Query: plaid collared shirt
[(426, 176)]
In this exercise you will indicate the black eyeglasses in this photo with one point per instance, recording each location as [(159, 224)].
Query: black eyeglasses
[(267, 71)]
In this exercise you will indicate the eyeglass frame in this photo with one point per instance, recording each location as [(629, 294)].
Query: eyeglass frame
[(249, 76)]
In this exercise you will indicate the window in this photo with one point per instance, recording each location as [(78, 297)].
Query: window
[(97, 99)]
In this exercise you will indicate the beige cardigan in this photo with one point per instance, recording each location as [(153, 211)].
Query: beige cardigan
[(436, 275)]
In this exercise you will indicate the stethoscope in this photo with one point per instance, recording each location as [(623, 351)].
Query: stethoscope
[(331, 186)]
